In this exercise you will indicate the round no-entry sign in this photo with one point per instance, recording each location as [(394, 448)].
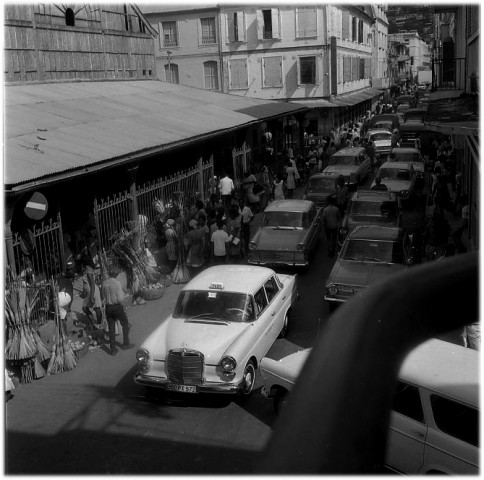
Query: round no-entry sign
[(36, 207)]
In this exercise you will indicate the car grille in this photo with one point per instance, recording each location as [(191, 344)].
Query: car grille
[(185, 367), (268, 256)]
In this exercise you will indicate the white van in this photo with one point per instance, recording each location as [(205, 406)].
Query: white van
[(434, 425)]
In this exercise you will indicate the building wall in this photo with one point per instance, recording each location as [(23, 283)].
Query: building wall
[(379, 71), (48, 42)]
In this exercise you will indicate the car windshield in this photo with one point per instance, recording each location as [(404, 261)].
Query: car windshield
[(205, 305), (387, 125), (376, 209), (394, 174), (344, 160), (381, 136), (407, 157), (319, 184), (283, 219), (379, 251)]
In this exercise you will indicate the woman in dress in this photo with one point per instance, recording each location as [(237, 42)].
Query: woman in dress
[(290, 179), (171, 243), (278, 187), (194, 244)]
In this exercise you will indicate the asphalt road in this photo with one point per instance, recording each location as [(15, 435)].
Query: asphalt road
[(95, 420)]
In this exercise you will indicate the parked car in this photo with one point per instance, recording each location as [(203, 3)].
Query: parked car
[(224, 322), (387, 121), (289, 232), (369, 253), (382, 140), (415, 115), (399, 177), (406, 100), (370, 207), (351, 162), (434, 426), (413, 156), (319, 187)]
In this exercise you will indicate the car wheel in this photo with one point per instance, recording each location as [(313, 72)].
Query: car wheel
[(283, 332), (280, 401), (248, 379)]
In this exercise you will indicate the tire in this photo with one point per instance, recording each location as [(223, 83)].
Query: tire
[(249, 379), (280, 401), (283, 332)]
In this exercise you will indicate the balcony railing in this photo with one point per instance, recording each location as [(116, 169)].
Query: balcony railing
[(449, 74)]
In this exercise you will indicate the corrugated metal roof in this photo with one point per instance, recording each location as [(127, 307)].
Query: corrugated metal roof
[(56, 128), (314, 103)]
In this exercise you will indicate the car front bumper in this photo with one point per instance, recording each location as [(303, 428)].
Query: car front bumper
[(162, 384), (278, 259)]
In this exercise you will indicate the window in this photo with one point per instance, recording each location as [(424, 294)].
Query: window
[(208, 31), (306, 25), (271, 288), (236, 26), (268, 24), (260, 302), (353, 29), (272, 71), (169, 34), (238, 74), (345, 25), (360, 31), (70, 20), (307, 70), (346, 69), (210, 72), (455, 419), (171, 73)]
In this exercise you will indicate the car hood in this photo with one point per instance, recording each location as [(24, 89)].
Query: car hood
[(396, 185), (212, 338), (343, 169), (361, 273), (269, 238)]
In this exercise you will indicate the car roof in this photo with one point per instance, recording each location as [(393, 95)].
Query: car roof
[(375, 232), (398, 165), (234, 278), (330, 175), (377, 130), (289, 205), (373, 195), (445, 368), (349, 151), (405, 150)]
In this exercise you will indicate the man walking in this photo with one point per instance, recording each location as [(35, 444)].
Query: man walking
[(331, 221), (226, 187), (113, 295)]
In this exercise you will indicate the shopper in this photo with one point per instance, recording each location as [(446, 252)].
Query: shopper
[(113, 296), (90, 292), (331, 222), (219, 241), (226, 187)]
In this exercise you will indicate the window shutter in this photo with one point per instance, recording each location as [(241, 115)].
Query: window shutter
[(362, 68), (306, 22), (160, 34), (241, 26), (345, 24), (275, 23), (238, 74), (230, 27), (272, 71), (260, 25)]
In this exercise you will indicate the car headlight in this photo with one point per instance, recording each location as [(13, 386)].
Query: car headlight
[(404, 192), (228, 363), (342, 231), (142, 355), (300, 247), (252, 246), (332, 289)]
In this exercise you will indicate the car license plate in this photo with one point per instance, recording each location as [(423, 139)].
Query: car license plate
[(181, 388)]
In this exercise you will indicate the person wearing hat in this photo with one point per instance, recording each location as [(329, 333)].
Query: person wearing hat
[(171, 242), (194, 244)]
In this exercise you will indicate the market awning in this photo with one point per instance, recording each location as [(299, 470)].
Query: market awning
[(314, 103), (355, 98), (58, 129)]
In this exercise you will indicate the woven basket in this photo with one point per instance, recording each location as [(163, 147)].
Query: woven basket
[(152, 294), (82, 351)]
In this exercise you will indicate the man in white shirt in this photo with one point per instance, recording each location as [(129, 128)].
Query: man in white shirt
[(220, 239), (226, 187)]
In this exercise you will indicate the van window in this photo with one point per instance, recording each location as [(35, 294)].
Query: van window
[(458, 420), (407, 401)]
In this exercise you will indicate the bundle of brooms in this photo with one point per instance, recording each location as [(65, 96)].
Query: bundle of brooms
[(134, 261), (63, 357), (24, 345)]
